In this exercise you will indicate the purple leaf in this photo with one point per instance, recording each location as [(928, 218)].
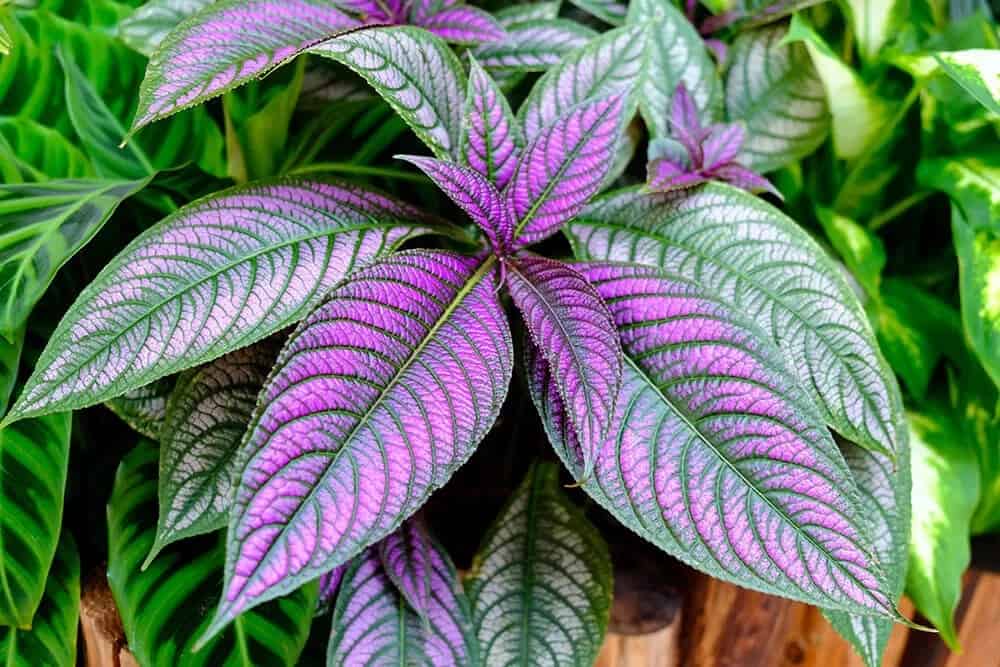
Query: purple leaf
[(685, 125), (664, 175), (491, 137), (219, 274), (406, 558), (329, 585), (475, 195), (464, 25), (535, 45), (574, 332), (377, 398), (722, 144), (227, 44), (372, 624), (745, 179), (375, 11), (724, 462), (563, 167)]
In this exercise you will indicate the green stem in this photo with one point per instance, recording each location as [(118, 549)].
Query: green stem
[(896, 210), (360, 170)]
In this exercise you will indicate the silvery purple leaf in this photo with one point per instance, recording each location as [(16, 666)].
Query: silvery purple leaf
[(491, 138), (464, 24), (664, 175), (563, 167), (227, 44), (375, 11), (376, 399), (217, 275), (761, 262), (534, 46), (416, 73), (475, 195), (206, 417), (372, 624), (329, 586), (744, 179), (611, 63), (609, 11), (573, 331), (722, 144), (407, 559), (144, 408), (514, 14), (724, 462), (685, 125)]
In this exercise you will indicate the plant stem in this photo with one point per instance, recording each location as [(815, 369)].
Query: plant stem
[(897, 210)]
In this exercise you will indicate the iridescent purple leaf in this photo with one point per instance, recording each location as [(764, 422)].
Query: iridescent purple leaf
[(217, 275), (534, 46), (372, 624), (664, 175), (416, 73), (685, 123), (329, 586), (474, 194), (149, 24), (724, 461), (563, 167), (406, 556), (722, 144), (540, 584), (762, 263), (744, 179), (491, 138), (376, 399), (572, 328), (464, 24), (201, 435), (611, 63), (227, 44)]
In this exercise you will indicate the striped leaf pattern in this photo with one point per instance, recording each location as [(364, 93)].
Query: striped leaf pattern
[(724, 462), (149, 24), (774, 90), (145, 408), (540, 584), (677, 54), (34, 456), (202, 431), (406, 556), (373, 625), (165, 607), (763, 264), (613, 62), (227, 44), (217, 275), (34, 152), (51, 640), (534, 46), (416, 73), (491, 137), (375, 401)]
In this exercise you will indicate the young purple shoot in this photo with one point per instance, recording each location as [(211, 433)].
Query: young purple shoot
[(699, 154)]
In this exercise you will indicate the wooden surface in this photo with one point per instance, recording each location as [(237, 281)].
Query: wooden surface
[(711, 625)]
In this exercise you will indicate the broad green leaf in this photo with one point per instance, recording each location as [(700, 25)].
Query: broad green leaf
[(609, 11), (861, 250), (34, 455), (10, 361), (145, 28), (757, 259), (416, 73), (978, 251), (977, 71), (540, 584), (677, 54), (6, 43), (51, 640), (859, 115), (39, 153), (945, 492), (44, 225), (981, 420), (164, 608), (217, 275), (775, 91), (872, 23), (144, 408), (972, 180)]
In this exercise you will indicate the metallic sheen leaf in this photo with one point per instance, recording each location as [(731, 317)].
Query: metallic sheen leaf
[(376, 399), (534, 46), (540, 584), (491, 137), (329, 586), (372, 624), (406, 560), (463, 24), (417, 74), (150, 23), (144, 408), (723, 461), (762, 263), (217, 275)]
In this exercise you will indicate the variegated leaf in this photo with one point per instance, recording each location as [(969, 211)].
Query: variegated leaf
[(760, 261), (144, 408), (774, 90), (609, 11), (416, 73), (540, 584), (463, 24), (534, 46), (227, 44), (372, 624), (376, 399), (202, 431), (150, 23), (613, 62), (724, 461), (491, 137), (217, 275)]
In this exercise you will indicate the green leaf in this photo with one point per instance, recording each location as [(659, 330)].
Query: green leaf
[(34, 455), (872, 23), (540, 584), (609, 11), (775, 91), (977, 71), (972, 180), (165, 607), (150, 23), (6, 43), (144, 408), (978, 251), (44, 225), (861, 250), (51, 641), (38, 153), (946, 489), (677, 54)]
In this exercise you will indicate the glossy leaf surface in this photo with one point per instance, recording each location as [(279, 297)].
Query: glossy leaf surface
[(150, 23), (491, 137), (144, 408), (534, 46)]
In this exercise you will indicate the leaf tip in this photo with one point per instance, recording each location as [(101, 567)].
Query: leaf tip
[(221, 619)]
